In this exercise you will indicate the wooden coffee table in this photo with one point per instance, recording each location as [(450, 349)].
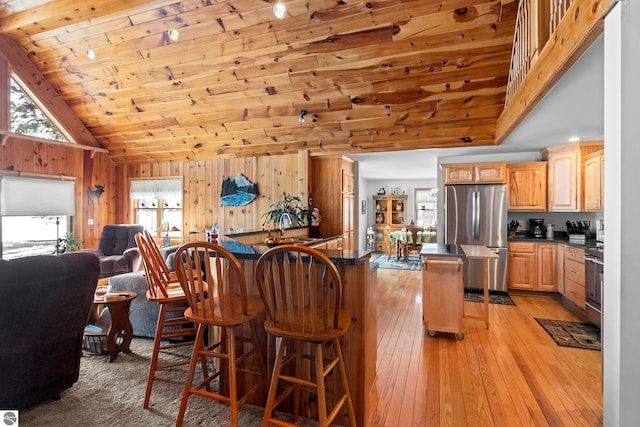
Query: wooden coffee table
[(119, 331)]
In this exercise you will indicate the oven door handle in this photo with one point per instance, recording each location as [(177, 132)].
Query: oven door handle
[(592, 307), (593, 259)]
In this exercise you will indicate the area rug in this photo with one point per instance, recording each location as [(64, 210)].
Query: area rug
[(413, 263), (494, 297), (573, 334), (112, 394)]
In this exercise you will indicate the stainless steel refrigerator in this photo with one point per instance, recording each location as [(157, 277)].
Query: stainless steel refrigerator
[(477, 215)]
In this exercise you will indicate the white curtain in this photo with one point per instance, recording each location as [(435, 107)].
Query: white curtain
[(166, 188), (20, 196)]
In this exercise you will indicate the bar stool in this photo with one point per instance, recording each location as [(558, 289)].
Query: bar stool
[(216, 290), (302, 292), (173, 330)]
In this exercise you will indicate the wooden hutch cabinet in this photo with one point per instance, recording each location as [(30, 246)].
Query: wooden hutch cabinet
[(390, 213)]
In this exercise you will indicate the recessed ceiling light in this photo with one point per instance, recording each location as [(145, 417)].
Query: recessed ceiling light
[(174, 35), (574, 139), (279, 10), (91, 54)]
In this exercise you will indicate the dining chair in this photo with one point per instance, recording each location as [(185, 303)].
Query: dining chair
[(173, 330), (215, 286), (302, 291)]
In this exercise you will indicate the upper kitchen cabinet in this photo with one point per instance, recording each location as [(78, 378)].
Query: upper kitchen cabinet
[(566, 174), (527, 184), (475, 173), (594, 181), (332, 191)]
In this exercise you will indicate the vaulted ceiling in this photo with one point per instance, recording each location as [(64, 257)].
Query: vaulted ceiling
[(378, 75)]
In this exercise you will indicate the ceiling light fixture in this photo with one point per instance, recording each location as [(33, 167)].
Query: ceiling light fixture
[(574, 139), (174, 35), (302, 114), (279, 10), (91, 54)]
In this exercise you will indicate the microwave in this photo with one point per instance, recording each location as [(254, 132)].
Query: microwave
[(600, 230)]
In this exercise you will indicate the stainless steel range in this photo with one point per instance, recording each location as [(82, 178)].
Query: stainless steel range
[(594, 282)]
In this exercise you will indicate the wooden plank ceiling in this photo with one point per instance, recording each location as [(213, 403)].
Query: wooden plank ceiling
[(377, 75)]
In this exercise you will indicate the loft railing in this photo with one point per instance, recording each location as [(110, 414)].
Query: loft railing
[(536, 22)]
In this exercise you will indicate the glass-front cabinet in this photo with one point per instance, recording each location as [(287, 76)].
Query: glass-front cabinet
[(390, 214)]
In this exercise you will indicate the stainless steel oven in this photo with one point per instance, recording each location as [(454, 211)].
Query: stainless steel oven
[(594, 282)]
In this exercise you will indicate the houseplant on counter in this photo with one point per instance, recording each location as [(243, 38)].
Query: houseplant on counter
[(291, 205)]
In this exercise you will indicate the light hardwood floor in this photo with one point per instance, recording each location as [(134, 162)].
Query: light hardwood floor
[(512, 374)]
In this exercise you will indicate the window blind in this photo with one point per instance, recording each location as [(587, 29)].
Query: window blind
[(155, 188), (20, 196)]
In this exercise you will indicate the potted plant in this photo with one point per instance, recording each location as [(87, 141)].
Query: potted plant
[(68, 243), (291, 205)]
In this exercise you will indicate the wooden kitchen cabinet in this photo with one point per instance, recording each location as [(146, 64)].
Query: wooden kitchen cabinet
[(565, 177), (574, 275), (522, 265), (546, 259), (332, 191), (533, 266), (594, 181), (475, 173), (527, 186)]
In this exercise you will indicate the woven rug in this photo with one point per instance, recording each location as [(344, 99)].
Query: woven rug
[(413, 263), (573, 334), (494, 297), (112, 394)]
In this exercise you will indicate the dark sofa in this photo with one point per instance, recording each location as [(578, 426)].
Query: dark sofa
[(45, 301)]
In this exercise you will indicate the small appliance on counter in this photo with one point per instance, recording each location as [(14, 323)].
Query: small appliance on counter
[(536, 227), (600, 230), (550, 229)]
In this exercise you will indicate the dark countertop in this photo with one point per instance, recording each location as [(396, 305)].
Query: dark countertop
[(254, 251), (558, 238)]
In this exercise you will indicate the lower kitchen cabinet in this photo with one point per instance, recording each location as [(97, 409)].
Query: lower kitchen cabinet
[(574, 275), (533, 266), (522, 265)]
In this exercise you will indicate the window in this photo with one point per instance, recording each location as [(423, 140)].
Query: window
[(34, 214), (31, 235), (426, 206), (157, 202), (27, 118)]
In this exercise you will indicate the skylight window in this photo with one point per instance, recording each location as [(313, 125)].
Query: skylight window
[(27, 118)]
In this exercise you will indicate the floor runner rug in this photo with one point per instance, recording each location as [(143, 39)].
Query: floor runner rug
[(573, 334), (494, 297), (413, 263)]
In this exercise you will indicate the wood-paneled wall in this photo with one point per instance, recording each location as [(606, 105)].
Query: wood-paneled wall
[(202, 182)]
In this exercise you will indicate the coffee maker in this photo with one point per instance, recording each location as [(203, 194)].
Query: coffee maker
[(536, 227)]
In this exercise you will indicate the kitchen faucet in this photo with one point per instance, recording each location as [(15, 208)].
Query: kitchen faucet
[(285, 222)]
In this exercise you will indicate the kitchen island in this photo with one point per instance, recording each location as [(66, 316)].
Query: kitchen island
[(359, 345), (443, 285)]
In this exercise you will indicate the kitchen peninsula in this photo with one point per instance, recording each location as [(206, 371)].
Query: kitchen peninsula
[(359, 345)]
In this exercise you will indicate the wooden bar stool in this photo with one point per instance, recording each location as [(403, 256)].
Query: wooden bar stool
[(302, 291), (173, 330), (216, 290)]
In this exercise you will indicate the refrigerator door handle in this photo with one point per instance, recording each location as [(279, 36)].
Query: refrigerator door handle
[(476, 216)]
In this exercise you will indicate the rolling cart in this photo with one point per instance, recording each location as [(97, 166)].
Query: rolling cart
[(443, 295)]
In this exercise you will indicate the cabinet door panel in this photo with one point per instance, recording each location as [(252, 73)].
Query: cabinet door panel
[(547, 267), (522, 270), (563, 181), (527, 186)]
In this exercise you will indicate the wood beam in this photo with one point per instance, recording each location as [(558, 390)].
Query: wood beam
[(582, 24)]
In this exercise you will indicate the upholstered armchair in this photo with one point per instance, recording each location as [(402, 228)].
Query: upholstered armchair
[(45, 304), (117, 249)]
